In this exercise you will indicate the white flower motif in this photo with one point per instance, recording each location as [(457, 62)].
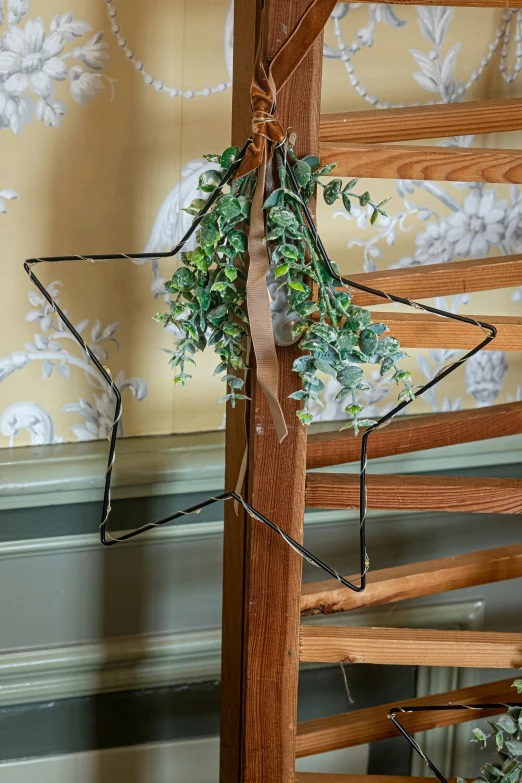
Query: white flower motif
[(480, 224), (93, 53), (484, 376), (8, 194), (514, 228), (84, 85), (17, 9), (29, 59), (433, 245)]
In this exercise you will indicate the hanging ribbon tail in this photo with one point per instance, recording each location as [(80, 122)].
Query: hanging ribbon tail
[(267, 133), (258, 303)]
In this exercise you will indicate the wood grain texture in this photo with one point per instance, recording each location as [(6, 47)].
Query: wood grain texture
[(271, 583), (246, 19), (422, 122), (410, 647), (466, 3), (416, 579), (423, 330), (416, 493), (441, 164), (415, 433), (327, 777), (372, 724), (460, 277)]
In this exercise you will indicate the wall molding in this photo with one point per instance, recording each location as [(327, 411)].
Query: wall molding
[(158, 660), (66, 473)]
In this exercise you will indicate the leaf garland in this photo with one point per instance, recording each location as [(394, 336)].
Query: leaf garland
[(208, 289)]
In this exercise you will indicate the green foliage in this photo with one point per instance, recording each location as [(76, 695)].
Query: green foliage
[(506, 736), (208, 290)]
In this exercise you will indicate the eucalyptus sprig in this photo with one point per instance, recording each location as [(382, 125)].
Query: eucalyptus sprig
[(506, 734), (208, 289)]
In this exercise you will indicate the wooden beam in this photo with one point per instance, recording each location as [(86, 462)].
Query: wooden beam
[(416, 433), (466, 3), (416, 493), (410, 647), (442, 164), (422, 122), (423, 330), (416, 579), (372, 724), (326, 777), (267, 571), (459, 277)]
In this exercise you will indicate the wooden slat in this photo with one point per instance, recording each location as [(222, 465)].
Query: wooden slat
[(459, 277), (266, 625), (372, 724), (442, 164), (416, 579), (466, 3), (423, 330), (328, 777), (422, 122), (415, 433), (416, 493), (410, 647)]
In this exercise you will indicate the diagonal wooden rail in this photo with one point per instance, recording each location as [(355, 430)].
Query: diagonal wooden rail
[(372, 724), (459, 277), (442, 164), (466, 3), (416, 579), (416, 433), (410, 647), (416, 493), (422, 122), (424, 330)]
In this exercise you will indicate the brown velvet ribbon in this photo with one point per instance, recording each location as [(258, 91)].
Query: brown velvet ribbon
[(267, 133)]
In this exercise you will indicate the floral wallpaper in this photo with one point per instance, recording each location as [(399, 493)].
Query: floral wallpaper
[(104, 118)]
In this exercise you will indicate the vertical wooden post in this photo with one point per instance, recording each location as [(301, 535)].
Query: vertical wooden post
[(262, 575)]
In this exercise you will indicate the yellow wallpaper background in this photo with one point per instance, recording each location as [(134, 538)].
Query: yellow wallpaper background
[(97, 184)]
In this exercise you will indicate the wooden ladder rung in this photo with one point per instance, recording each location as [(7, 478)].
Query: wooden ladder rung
[(466, 3), (459, 277), (424, 330), (329, 777), (372, 724), (416, 433), (441, 164), (410, 647), (422, 122), (416, 579), (416, 493)]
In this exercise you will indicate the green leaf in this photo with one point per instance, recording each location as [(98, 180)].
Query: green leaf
[(325, 170), (274, 199), (209, 180), (183, 279), (347, 203), (323, 366), (208, 235), (296, 286), (228, 206), (233, 381), (289, 251), (304, 417), (212, 158), (229, 156), (480, 737), (199, 259), (375, 215), (353, 409), (387, 346), (203, 297), (325, 331), (368, 342), (366, 422), (302, 172), (303, 364), (518, 685), (238, 240), (274, 234), (312, 160), (378, 328), (282, 216), (351, 184), (216, 315), (406, 394), (344, 392), (298, 395), (245, 203), (306, 308), (403, 375), (281, 269), (507, 723), (220, 368), (365, 199), (332, 190), (346, 341), (350, 377), (231, 273)]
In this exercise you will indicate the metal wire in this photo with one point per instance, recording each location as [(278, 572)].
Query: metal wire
[(431, 708), (106, 538)]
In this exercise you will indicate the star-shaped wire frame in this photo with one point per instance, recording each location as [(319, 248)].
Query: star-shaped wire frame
[(392, 714), (359, 583)]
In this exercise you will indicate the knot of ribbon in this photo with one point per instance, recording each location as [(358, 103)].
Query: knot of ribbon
[(267, 134)]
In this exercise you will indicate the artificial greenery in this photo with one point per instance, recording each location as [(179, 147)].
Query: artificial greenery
[(506, 735), (208, 289)]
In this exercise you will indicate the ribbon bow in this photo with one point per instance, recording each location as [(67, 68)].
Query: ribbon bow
[(267, 133)]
